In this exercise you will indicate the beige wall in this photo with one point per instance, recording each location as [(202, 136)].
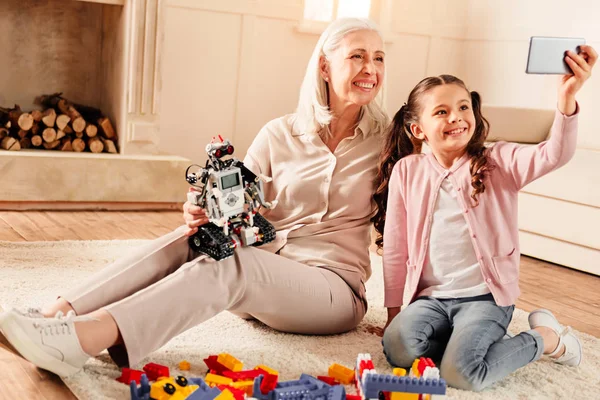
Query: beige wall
[(230, 67)]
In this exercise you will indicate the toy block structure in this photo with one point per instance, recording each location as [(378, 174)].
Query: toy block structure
[(370, 384), (230, 362), (305, 388)]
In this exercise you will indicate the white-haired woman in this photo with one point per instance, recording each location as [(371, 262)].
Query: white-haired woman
[(310, 280)]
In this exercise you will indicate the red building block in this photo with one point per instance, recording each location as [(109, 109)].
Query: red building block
[(244, 375), (328, 379), (154, 371), (128, 375), (424, 363), (214, 366), (268, 383), (353, 397)]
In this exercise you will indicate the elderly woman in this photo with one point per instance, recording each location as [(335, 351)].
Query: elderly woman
[(310, 280)]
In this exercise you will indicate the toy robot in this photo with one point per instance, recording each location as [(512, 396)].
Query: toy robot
[(231, 194)]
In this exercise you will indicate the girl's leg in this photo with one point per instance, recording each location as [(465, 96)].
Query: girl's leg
[(422, 329), (132, 272), (477, 355), (284, 294)]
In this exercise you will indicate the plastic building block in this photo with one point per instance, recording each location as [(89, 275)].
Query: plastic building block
[(414, 370), (155, 371), (404, 396), (204, 392), (171, 388), (303, 386), (246, 386), (184, 365), (214, 366), (212, 380), (268, 383), (237, 393), (372, 384), (328, 380), (128, 375), (244, 375), (341, 373), (141, 393), (399, 372), (424, 363), (267, 369), (225, 395), (229, 361)]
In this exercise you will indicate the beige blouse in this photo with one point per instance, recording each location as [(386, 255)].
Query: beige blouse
[(324, 199)]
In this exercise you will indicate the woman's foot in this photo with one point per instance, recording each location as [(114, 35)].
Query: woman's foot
[(565, 348), (49, 343)]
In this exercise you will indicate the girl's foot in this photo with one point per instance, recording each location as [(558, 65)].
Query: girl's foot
[(49, 343), (567, 341)]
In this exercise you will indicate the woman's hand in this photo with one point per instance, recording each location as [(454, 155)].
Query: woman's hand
[(194, 216), (581, 64)]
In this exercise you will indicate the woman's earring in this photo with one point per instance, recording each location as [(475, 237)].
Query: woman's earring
[(326, 79)]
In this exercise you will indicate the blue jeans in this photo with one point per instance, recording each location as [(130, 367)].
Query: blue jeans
[(464, 337)]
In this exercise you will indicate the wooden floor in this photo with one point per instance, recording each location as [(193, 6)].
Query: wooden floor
[(572, 295)]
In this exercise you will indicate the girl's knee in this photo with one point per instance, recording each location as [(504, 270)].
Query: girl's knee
[(460, 376), (401, 347)]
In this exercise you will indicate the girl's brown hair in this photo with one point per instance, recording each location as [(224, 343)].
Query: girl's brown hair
[(399, 142)]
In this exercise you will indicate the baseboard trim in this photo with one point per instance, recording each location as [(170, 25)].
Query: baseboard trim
[(87, 206)]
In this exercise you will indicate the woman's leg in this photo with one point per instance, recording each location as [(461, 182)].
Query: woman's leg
[(284, 294), (142, 267), (477, 355), (422, 329)]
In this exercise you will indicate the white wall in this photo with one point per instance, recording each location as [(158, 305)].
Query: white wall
[(496, 46), (230, 67)]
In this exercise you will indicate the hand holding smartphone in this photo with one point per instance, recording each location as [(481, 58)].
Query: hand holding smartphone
[(547, 54)]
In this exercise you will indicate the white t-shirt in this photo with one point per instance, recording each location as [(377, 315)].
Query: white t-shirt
[(452, 269)]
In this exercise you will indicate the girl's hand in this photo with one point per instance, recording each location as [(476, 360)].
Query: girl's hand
[(581, 64), (376, 330), (194, 216)]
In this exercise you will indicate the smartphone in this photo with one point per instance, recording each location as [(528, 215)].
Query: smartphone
[(547, 54)]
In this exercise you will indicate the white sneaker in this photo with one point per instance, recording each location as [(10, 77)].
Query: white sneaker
[(30, 312), (573, 351), (49, 343)]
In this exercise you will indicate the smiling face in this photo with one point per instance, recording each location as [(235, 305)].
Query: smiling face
[(355, 70), (446, 121)]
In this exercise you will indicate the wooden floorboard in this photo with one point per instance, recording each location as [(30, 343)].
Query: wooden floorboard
[(573, 296)]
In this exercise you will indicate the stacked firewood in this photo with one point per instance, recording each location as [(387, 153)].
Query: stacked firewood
[(59, 125)]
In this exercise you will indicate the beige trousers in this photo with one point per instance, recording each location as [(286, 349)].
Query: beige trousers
[(163, 288)]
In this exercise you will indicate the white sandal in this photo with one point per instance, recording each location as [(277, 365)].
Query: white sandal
[(573, 351)]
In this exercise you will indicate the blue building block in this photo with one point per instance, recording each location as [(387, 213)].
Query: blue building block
[(300, 389), (375, 383), (141, 393)]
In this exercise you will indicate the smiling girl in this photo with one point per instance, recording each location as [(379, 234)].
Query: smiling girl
[(450, 233)]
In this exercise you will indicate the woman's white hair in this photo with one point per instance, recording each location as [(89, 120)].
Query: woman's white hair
[(312, 113)]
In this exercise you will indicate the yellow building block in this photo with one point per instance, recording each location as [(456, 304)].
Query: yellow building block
[(225, 395), (246, 386), (404, 396), (184, 365), (415, 368), (399, 372), (342, 374), (230, 362), (265, 368), (213, 379)]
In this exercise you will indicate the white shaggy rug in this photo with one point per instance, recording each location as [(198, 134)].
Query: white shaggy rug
[(34, 273)]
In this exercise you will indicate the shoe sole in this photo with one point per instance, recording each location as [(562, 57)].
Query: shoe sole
[(19, 339)]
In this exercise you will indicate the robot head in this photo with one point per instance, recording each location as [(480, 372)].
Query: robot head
[(219, 149)]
